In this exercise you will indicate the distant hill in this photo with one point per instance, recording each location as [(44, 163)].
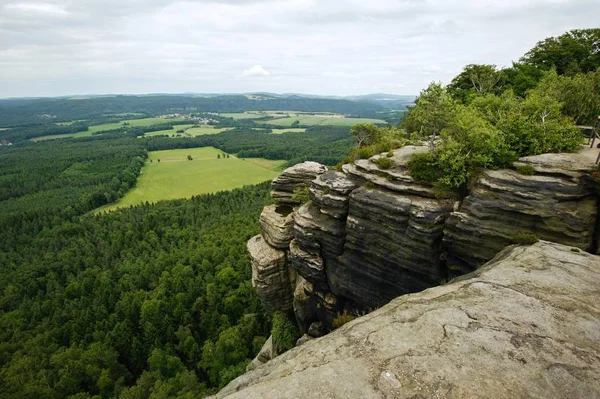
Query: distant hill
[(21, 111)]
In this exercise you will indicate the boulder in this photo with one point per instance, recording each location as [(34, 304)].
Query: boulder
[(330, 192), (527, 325), (393, 247), (297, 177), (554, 204), (272, 280), (277, 226)]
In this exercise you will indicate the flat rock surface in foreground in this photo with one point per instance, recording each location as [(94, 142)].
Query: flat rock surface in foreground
[(526, 325)]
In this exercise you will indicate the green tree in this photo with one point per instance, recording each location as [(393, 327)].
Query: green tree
[(285, 332), (475, 80)]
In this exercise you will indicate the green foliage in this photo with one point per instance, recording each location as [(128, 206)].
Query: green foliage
[(572, 52), (576, 250), (423, 167), (342, 319), (578, 94), (285, 333), (527, 170), (365, 134), (475, 80), (524, 239), (149, 301), (300, 195), (432, 112), (384, 163)]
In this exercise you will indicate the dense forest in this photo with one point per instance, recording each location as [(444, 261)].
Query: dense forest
[(155, 299)]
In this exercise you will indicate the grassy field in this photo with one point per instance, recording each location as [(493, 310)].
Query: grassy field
[(311, 120), (110, 126), (176, 177), (203, 130), (276, 166), (170, 131), (292, 130), (244, 115)]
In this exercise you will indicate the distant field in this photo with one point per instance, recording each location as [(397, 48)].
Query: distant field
[(110, 126), (170, 131), (243, 115), (311, 120), (266, 163), (176, 177), (203, 130), (292, 130)]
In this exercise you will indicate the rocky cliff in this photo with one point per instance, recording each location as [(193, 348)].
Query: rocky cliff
[(370, 234), (527, 324)]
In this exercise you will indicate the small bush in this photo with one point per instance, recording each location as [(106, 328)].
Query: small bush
[(422, 167), (526, 170), (524, 239), (285, 333), (441, 191), (342, 319), (301, 195), (384, 163), (390, 154)]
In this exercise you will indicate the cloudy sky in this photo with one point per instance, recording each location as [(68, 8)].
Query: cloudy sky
[(64, 47)]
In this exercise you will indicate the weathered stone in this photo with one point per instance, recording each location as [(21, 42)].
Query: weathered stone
[(555, 204), (396, 178), (265, 354), (392, 247), (527, 325), (271, 278), (277, 226), (309, 265), (315, 231), (330, 192), (317, 329), (297, 177), (305, 305), (304, 339)]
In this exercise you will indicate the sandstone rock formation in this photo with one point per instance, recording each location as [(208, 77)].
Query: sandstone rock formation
[(266, 353), (525, 325), (392, 246), (554, 204), (294, 178), (277, 226), (271, 278), (330, 192)]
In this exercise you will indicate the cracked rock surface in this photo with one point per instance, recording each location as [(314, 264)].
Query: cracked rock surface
[(525, 325)]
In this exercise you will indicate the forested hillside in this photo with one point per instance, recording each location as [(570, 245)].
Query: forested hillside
[(157, 297)]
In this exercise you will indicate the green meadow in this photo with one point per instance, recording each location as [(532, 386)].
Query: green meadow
[(177, 177), (312, 120), (292, 130)]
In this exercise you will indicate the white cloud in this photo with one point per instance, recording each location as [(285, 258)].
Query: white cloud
[(41, 8), (256, 70), (63, 47)]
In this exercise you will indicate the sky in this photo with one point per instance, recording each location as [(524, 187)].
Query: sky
[(349, 47)]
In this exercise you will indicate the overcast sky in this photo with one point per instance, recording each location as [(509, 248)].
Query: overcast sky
[(64, 47)]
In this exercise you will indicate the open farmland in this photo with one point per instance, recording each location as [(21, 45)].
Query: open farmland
[(111, 126), (177, 177), (312, 120)]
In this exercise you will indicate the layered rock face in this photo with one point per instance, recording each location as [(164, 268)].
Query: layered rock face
[(525, 325), (370, 234), (553, 204), (272, 276)]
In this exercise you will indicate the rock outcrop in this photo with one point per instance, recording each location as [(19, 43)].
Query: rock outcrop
[(271, 278), (553, 204), (277, 226), (294, 178), (525, 325)]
